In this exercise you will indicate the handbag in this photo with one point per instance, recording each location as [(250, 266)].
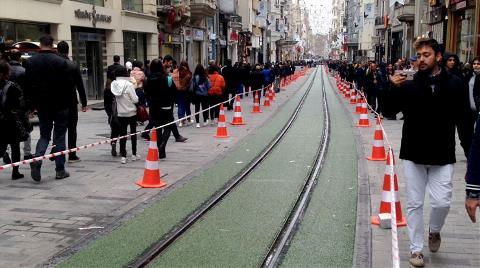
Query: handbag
[(142, 113)]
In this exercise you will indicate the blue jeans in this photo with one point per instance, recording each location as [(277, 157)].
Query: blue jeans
[(58, 121), (183, 102)]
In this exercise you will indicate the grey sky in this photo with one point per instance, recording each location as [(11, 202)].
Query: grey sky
[(320, 15)]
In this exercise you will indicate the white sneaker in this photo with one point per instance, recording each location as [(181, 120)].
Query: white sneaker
[(180, 124), (206, 123), (198, 125), (124, 160), (192, 121), (136, 157)]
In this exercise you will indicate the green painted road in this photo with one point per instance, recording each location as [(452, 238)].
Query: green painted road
[(239, 231), (326, 236), (131, 239)]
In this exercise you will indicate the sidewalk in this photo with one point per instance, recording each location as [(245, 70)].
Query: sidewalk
[(39, 220), (460, 237)]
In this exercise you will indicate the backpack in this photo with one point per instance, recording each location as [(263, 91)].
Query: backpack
[(201, 87)]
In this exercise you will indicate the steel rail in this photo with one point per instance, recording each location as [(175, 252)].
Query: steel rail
[(190, 220), (280, 245)]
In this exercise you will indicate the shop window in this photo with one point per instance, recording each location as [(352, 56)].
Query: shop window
[(133, 5), (99, 3), (134, 46), (11, 32), (465, 36)]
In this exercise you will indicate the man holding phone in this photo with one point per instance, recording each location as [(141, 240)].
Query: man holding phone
[(431, 105)]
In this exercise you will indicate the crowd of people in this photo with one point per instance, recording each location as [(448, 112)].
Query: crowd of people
[(437, 95), (48, 83)]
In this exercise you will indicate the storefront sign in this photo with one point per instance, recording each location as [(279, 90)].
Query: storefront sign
[(461, 5), (234, 36), (188, 35), (92, 16), (198, 35)]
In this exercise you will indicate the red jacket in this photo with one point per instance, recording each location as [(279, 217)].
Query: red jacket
[(218, 84)]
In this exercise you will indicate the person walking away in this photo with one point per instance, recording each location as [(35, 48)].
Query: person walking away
[(471, 98), (17, 75), (47, 86), (126, 98), (182, 78), (168, 64), (229, 75), (266, 77), (75, 85), (13, 117), (372, 83), (160, 92), (431, 105), (472, 201), (256, 81), (215, 93), (201, 85), (108, 99)]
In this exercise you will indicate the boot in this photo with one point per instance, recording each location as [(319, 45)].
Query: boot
[(161, 151), (16, 174), (114, 149)]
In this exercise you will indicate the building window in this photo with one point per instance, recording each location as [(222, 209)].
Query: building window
[(99, 3), (134, 46), (11, 32), (133, 5), (465, 36)]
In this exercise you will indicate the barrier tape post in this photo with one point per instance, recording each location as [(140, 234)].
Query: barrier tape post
[(395, 251)]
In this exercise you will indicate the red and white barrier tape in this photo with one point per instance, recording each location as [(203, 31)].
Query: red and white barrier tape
[(64, 152)]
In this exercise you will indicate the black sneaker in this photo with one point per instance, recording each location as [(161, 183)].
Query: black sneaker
[(62, 175), (35, 170), (73, 159), (181, 139)]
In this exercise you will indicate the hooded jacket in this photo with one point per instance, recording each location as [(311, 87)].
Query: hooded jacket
[(125, 96)]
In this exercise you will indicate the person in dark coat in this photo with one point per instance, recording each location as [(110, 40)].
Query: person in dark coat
[(12, 114), (472, 201), (257, 80), (451, 62), (431, 104), (108, 99), (372, 83), (160, 91), (75, 85), (471, 103), (47, 85), (229, 74)]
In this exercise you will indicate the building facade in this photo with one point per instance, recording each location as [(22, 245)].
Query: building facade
[(95, 29)]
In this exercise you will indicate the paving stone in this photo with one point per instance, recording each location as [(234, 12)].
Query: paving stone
[(17, 227), (50, 236)]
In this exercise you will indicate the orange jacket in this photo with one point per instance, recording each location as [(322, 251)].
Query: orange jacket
[(218, 84)]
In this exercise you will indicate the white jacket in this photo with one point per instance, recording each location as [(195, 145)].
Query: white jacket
[(125, 96)]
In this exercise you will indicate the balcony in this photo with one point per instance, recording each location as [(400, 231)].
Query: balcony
[(378, 20), (202, 8), (405, 13), (165, 6)]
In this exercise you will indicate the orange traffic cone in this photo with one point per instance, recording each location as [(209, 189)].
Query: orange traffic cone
[(151, 173), (222, 126), (256, 103), (358, 108), (346, 94), (266, 102), (353, 96), (378, 149), (363, 119), (237, 116), (387, 196)]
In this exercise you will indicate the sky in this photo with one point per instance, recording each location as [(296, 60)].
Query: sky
[(320, 15)]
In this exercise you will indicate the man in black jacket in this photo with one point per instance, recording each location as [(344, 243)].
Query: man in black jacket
[(431, 104), (47, 83), (471, 104), (75, 85)]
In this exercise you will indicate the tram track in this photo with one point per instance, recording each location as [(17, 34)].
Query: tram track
[(287, 231)]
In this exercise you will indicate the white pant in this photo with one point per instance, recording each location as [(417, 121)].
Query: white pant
[(438, 179)]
